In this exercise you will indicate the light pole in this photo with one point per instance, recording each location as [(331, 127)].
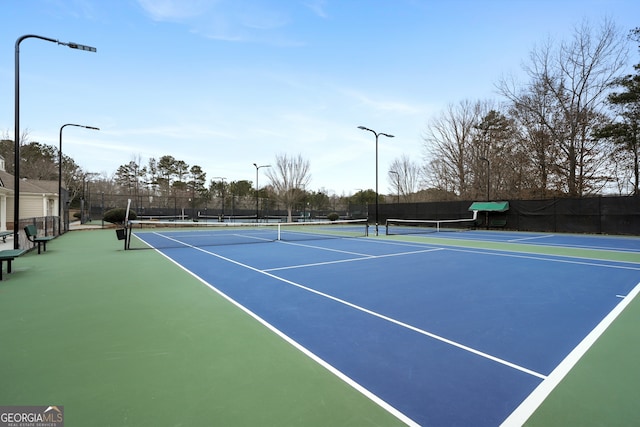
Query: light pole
[(376, 134), (257, 169), (221, 178), (16, 135), (397, 174), (486, 214), (484, 159), (60, 172)]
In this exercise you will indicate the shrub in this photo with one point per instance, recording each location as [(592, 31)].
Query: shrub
[(333, 216), (116, 215)]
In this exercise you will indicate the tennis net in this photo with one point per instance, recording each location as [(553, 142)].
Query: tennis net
[(169, 234), (420, 226)]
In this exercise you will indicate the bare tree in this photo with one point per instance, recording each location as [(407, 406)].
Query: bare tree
[(405, 176), (447, 146), (289, 178), (565, 98)]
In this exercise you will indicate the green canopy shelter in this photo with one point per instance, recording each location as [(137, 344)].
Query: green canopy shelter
[(489, 206)]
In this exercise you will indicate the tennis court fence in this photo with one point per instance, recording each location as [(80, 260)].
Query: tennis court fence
[(597, 215)]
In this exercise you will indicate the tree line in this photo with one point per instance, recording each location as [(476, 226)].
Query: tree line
[(161, 181), (571, 130)]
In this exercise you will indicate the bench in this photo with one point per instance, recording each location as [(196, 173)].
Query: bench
[(4, 235), (32, 234), (497, 222), (9, 255)]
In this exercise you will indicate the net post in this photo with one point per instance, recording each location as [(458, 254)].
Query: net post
[(279, 231), (127, 228)]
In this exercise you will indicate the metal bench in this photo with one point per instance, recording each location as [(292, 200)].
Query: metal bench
[(9, 255), (497, 222), (32, 234)]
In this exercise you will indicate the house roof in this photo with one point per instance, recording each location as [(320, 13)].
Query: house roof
[(28, 185)]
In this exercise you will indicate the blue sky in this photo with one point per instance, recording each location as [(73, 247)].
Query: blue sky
[(226, 83)]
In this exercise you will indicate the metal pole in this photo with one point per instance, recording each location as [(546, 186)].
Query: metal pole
[(377, 196), (60, 170), (376, 134), (16, 135), (484, 159), (257, 187)]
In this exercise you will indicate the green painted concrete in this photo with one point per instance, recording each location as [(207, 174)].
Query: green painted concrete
[(129, 339)]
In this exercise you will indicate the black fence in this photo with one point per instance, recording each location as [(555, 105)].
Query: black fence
[(596, 215), (185, 207)]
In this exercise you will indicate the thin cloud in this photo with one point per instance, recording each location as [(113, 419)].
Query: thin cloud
[(250, 21), (317, 7), (175, 10), (385, 105)]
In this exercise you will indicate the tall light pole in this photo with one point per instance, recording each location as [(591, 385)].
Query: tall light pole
[(257, 169), (397, 174), (376, 134), (486, 214), (60, 171), (16, 135), (484, 159)]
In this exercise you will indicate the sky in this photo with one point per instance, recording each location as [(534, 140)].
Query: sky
[(224, 84)]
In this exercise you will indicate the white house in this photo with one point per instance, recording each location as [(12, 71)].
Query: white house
[(37, 198)]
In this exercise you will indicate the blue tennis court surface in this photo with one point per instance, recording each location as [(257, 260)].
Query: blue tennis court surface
[(439, 335)]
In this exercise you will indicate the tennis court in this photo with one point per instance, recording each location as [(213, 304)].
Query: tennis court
[(444, 329)]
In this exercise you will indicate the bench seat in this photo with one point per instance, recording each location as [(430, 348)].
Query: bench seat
[(32, 234), (9, 255)]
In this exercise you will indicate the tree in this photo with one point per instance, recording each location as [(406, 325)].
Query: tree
[(572, 80), (196, 184), (289, 178), (166, 173), (494, 146), (624, 129), (7, 150), (447, 145), (39, 161), (404, 175)]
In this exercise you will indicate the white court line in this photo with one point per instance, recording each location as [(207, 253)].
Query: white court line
[(535, 399), (526, 408), (519, 254), (553, 258), (531, 238), (375, 314), (348, 380), (364, 258)]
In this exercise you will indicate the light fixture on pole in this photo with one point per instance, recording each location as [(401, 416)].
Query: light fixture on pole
[(486, 214), (257, 188), (484, 159), (16, 135), (376, 134), (60, 171)]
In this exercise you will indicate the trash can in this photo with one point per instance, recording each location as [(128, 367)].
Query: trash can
[(121, 233)]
